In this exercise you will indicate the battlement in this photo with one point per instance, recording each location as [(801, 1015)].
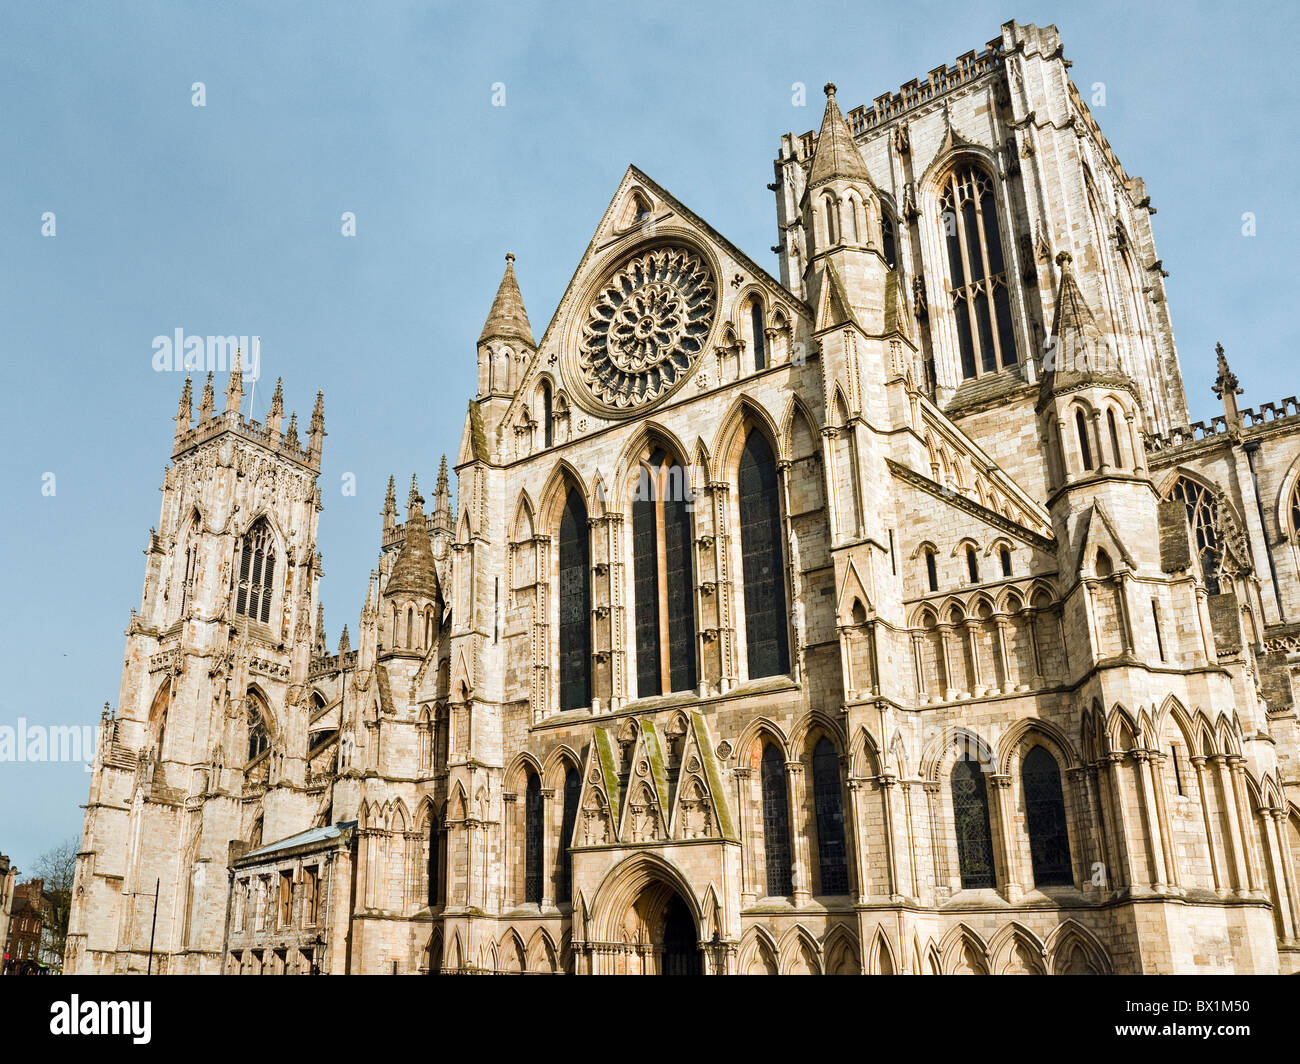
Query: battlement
[(1267, 416), (331, 663), (237, 424)]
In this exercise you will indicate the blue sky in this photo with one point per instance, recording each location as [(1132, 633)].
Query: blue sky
[(226, 219)]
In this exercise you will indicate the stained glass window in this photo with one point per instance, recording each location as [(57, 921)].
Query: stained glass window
[(762, 561), (970, 807), (575, 605), (979, 294), (434, 870), (572, 787), (663, 580), (1049, 842), (828, 802), (1203, 519), (256, 573), (776, 824), (258, 740), (533, 839)]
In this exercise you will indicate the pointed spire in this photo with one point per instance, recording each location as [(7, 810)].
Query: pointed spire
[(390, 505), (185, 411), (316, 431), (414, 572), (205, 400), (1227, 388), (414, 499), (508, 320), (836, 155), (291, 435), (1078, 352), (235, 389), (276, 413), (442, 499), (345, 644), (320, 628)]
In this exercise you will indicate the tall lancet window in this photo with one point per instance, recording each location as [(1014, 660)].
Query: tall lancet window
[(259, 741), (760, 338), (533, 839), (568, 821), (828, 803), (663, 580), (762, 560), (1049, 842), (548, 416), (981, 303), (575, 605), (970, 809), (776, 823), (256, 572)]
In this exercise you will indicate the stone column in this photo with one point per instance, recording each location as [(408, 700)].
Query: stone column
[(743, 811), (1005, 851), (1150, 823), (856, 786), (796, 796), (1241, 876)]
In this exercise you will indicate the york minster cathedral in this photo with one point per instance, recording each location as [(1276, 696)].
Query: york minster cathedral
[(880, 615)]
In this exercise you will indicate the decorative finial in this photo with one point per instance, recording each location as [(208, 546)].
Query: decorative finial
[(510, 256), (414, 496), (1064, 258), (829, 89), (277, 400)]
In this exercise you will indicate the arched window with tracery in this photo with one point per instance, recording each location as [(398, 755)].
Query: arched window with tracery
[(1295, 511), (533, 839), (776, 823), (979, 296), (1203, 519), (259, 741), (568, 820), (970, 809), (575, 604), (828, 804), (256, 572), (663, 580), (762, 560), (1049, 841)]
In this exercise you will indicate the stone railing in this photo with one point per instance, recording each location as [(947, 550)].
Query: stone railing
[(1268, 414)]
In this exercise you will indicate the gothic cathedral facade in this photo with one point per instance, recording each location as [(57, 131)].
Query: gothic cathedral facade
[(885, 616)]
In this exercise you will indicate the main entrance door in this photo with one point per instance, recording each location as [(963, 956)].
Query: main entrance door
[(681, 951)]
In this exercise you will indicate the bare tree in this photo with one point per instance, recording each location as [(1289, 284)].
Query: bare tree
[(56, 867)]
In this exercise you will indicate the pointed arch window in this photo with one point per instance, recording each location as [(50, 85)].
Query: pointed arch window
[(1049, 842), (1203, 520), (888, 239), (1114, 437), (1004, 556), (548, 415), (663, 581), (256, 572), (435, 865), (979, 296), (258, 739), (776, 823), (830, 220), (972, 565), (1295, 511), (190, 564), (569, 819), (533, 839), (970, 809), (828, 803), (931, 570), (760, 336), (1085, 447), (575, 605), (762, 560)]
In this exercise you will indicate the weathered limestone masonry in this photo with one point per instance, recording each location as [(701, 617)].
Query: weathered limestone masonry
[(884, 618)]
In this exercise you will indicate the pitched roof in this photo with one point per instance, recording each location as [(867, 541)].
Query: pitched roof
[(836, 154), (1079, 352), (508, 320), (415, 571)]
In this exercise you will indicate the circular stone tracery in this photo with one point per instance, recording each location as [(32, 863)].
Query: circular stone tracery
[(646, 326)]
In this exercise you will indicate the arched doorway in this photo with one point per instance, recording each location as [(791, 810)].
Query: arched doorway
[(681, 947), (645, 921)]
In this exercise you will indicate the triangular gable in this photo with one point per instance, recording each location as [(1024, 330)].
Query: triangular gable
[(644, 816), (607, 232), (851, 587), (833, 305), (1094, 530)]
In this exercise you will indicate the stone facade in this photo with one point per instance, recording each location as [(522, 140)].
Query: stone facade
[(886, 617)]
